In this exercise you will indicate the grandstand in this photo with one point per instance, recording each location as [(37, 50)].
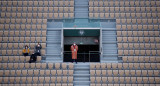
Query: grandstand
[(118, 40)]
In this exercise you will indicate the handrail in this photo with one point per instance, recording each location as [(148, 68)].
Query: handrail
[(90, 52), (93, 51)]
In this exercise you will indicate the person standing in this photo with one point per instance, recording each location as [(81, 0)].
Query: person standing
[(38, 49), (25, 51), (74, 49)]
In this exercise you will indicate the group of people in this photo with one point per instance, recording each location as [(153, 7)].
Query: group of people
[(34, 55), (37, 52)]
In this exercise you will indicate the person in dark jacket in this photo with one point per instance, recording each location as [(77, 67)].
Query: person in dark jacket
[(33, 58), (38, 49)]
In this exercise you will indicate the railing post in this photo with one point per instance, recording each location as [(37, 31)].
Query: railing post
[(89, 56)]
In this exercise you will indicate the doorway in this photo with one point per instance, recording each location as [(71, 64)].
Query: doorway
[(86, 53), (88, 45)]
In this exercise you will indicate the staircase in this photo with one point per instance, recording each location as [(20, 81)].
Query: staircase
[(109, 45), (81, 74), (81, 8), (53, 53), (53, 49)]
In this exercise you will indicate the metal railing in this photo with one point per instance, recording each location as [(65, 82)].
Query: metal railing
[(91, 55)]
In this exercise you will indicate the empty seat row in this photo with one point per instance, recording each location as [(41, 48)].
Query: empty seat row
[(37, 65), (138, 27), (122, 15), (125, 73), (11, 33), (23, 21), (60, 15), (138, 52), (114, 66), (138, 39), (123, 84), (38, 9), (138, 33), (51, 84), (20, 45), (141, 59), (23, 33), (154, 10), (16, 59), (35, 80), (137, 21), (22, 39), (37, 15), (124, 3), (37, 3), (23, 26), (15, 52), (27, 73), (136, 46), (126, 80)]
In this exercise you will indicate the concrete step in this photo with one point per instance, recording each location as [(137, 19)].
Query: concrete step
[(108, 42), (53, 60), (108, 32), (110, 55), (110, 61), (81, 68), (110, 46), (107, 35), (53, 34), (109, 58), (110, 49), (108, 29), (80, 11), (53, 52), (81, 15), (55, 29), (53, 55), (53, 49), (81, 75), (50, 50), (81, 65), (56, 56), (54, 37), (81, 72), (53, 42), (81, 79), (81, 83), (81, 7), (52, 46)]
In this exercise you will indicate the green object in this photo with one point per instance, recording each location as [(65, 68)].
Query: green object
[(81, 32)]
